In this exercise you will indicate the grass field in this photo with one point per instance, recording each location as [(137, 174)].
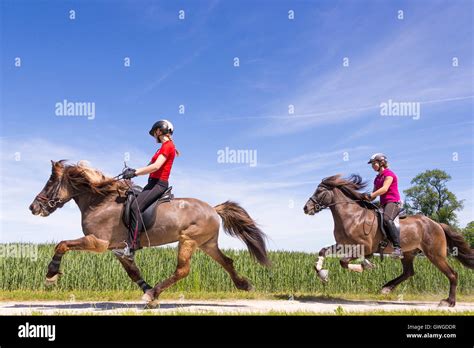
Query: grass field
[(291, 273)]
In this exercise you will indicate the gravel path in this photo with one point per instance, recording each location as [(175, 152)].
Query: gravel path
[(218, 306)]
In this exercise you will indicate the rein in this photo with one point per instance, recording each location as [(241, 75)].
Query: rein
[(324, 206), (319, 206)]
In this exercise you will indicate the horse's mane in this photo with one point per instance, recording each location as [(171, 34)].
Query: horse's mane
[(349, 186), (82, 177)]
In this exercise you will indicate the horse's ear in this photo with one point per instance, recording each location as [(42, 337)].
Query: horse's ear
[(57, 166)]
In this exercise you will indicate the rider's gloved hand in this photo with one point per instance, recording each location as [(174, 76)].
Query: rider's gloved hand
[(367, 196), (128, 173)]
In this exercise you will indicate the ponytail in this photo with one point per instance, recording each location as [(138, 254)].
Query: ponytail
[(178, 153)]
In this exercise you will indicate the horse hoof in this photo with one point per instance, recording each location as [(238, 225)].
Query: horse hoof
[(51, 281), (147, 297), (386, 291), (324, 275), (367, 265), (244, 285), (446, 303), (152, 305)]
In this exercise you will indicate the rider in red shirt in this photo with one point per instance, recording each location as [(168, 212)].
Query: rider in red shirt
[(169, 152), (159, 170)]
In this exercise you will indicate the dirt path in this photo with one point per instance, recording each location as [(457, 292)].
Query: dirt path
[(218, 307)]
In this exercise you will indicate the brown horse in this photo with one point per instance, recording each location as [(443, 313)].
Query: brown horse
[(356, 229), (191, 222)]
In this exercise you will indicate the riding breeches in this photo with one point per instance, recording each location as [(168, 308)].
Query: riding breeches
[(390, 212), (151, 192)]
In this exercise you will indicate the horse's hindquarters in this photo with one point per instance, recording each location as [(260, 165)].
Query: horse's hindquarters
[(182, 218)]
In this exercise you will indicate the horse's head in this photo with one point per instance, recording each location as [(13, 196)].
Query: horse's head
[(54, 194), (320, 200), (332, 187)]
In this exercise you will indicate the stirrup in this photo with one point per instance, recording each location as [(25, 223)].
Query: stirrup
[(125, 253), (396, 255), (382, 245)]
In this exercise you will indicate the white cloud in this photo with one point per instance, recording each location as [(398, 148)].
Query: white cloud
[(398, 67)]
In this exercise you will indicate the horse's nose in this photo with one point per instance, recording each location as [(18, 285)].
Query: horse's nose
[(305, 209), (34, 208)]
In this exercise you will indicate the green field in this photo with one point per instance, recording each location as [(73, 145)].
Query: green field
[(291, 273)]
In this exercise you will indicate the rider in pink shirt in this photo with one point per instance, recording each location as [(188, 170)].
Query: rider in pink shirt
[(392, 195), (386, 186)]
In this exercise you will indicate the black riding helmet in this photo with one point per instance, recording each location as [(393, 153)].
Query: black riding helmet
[(165, 126)]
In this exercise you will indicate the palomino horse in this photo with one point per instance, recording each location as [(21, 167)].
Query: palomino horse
[(357, 227), (191, 222)]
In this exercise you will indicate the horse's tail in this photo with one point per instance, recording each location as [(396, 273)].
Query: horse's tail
[(461, 249), (238, 223)]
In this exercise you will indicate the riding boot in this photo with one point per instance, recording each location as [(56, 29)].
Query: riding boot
[(394, 235)]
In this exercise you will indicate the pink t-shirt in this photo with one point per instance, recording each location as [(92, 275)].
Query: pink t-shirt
[(392, 194)]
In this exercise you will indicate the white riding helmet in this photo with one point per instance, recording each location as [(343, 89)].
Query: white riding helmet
[(377, 157)]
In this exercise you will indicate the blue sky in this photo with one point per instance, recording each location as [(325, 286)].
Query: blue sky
[(190, 62)]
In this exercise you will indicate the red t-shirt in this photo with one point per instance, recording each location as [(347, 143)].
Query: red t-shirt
[(168, 150)]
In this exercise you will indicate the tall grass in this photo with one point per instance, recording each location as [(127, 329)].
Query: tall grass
[(292, 272)]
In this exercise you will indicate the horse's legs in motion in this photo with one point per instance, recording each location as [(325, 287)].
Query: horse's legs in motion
[(438, 258), (186, 249), (408, 271), (89, 243), (212, 249), (322, 273), (345, 263), (133, 272)]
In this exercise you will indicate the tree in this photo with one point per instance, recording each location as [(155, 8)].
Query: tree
[(430, 196), (468, 233)]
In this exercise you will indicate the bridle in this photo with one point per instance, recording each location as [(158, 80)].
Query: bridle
[(318, 206), (55, 201), (51, 202)]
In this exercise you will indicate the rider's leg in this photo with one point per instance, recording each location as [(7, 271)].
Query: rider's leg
[(151, 192), (390, 212)]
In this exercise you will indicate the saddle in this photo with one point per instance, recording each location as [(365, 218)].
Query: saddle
[(379, 213), (149, 215)]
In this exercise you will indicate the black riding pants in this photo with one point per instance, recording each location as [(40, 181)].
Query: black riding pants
[(151, 192)]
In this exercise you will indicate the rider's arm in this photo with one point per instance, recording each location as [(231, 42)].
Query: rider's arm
[(386, 184), (152, 167)]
